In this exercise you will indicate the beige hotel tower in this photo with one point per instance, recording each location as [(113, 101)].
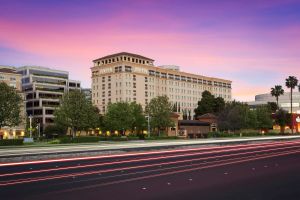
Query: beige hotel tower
[(131, 77)]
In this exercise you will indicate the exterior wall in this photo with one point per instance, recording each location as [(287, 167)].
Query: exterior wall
[(195, 131), (130, 77), (283, 101), (43, 88)]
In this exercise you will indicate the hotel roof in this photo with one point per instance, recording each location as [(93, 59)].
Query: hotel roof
[(124, 53)]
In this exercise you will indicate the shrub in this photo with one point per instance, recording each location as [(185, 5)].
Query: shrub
[(161, 137), (84, 139), (10, 142)]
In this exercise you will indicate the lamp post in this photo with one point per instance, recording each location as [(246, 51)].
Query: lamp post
[(39, 129), (148, 125), (30, 126)]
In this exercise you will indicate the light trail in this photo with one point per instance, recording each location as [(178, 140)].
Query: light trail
[(147, 159), (177, 172), (130, 154), (19, 181)]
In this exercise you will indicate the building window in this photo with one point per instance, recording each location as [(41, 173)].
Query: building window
[(118, 69), (128, 69)]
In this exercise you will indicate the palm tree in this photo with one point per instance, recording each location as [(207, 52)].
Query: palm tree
[(276, 92), (291, 82)]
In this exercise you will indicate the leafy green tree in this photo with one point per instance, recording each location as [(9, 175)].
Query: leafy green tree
[(234, 117), (251, 119), (75, 111), (118, 117), (264, 117), (273, 106), (10, 106), (174, 109), (206, 104), (209, 104), (160, 110), (52, 130), (276, 92), (219, 105), (282, 118), (139, 121), (291, 82)]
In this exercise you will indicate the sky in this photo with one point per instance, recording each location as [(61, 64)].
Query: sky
[(254, 43)]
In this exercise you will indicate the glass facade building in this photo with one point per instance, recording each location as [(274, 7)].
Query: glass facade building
[(43, 88)]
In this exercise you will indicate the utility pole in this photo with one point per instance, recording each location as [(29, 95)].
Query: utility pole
[(30, 125)]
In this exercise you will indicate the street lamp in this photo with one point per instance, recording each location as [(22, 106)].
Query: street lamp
[(38, 127), (30, 125), (148, 124)]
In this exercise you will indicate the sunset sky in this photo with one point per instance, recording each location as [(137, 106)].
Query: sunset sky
[(254, 43)]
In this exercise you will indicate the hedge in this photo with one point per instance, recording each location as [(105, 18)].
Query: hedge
[(10, 142), (78, 140), (161, 137)]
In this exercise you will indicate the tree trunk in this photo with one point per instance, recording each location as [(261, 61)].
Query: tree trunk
[(292, 123), (282, 129), (277, 103), (74, 132)]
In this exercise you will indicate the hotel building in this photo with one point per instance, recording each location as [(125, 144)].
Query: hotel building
[(43, 88), (134, 78), (10, 76)]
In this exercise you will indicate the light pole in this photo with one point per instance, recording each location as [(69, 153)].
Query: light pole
[(38, 129), (30, 126), (148, 125)]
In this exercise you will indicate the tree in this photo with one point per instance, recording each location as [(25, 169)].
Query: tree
[(264, 119), (276, 92), (10, 106), (291, 82), (54, 129), (235, 116), (75, 111), (118, 117), (174, 109), (251, 119), (184, 114), (273, 106), (139, 121), (282, 118), (219, 105), (160, 110), (206, 104), (209, 104)]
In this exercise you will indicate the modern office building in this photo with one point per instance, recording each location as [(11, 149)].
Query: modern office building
[(283, 101), (43, 88), (131, 77), (10, 76)]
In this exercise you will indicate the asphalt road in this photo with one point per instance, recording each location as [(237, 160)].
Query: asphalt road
[(268, 170)]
